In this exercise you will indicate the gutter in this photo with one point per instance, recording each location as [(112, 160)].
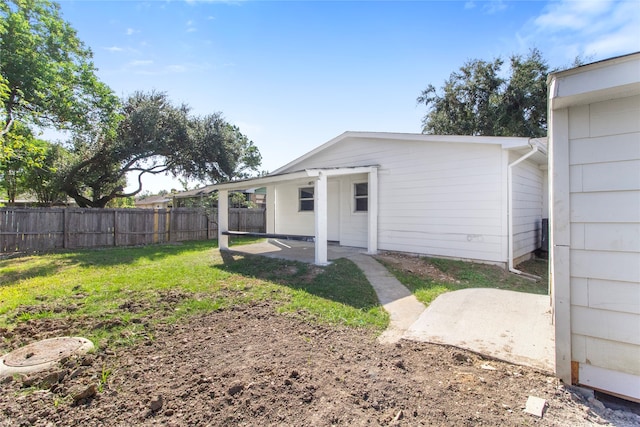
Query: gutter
[(534, 149)]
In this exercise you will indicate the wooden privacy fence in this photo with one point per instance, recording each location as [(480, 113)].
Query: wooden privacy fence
[(44, 229)]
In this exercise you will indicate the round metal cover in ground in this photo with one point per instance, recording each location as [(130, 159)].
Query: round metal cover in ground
[(41, 355)]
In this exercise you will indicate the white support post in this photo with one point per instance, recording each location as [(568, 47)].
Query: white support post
[(270, 211), (223, 219), (372, 241), (321, 219)]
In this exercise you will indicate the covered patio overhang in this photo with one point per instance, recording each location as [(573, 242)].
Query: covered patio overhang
[(319, 176)]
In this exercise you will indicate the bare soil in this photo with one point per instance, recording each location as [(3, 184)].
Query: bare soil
[(250, 366)]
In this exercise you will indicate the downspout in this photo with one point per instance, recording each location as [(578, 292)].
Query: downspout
[(534, 149)]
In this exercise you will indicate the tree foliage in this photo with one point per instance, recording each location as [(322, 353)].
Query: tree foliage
[(46, 74), (477, 100), (45, 180), (27, 153), (154, 136)]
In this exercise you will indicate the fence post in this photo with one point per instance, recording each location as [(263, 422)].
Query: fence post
[(155, 226), (65, 228), (115, 228)]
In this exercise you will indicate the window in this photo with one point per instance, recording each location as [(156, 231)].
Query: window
[(306, 199), (361, 195)]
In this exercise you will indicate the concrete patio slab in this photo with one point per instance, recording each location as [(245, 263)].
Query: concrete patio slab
[(511, 326)]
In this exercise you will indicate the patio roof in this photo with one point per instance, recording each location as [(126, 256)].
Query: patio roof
[(320, 177), (290, 176)]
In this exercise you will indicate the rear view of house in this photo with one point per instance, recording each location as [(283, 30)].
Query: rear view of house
[(477, 198), (595, 185)]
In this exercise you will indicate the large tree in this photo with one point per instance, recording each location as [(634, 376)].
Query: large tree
[(46, 74), (480, 99), (154, 136)]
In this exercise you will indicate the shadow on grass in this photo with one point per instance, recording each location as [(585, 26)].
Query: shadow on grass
[(341, 281)]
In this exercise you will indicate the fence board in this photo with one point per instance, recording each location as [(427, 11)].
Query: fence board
[(44, 229)]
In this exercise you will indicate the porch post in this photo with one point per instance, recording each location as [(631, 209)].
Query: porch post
[(372, 240), (223, 219), (270, 209), (321, 219)]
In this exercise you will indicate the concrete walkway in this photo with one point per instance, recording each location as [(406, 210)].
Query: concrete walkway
[(403, 307), (511, 326)]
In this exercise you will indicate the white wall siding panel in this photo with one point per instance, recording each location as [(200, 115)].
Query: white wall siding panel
[(621, 237), (611, 176), (619, 148), (615, 117), (618, 266), (288, 218), (527, 207), (610, 206), (604, 172), (580, 291), (606, 324), (613, 380), (612, 355), (614, 296), (579, 122), (353, 225)]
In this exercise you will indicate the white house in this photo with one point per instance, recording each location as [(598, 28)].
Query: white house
[(594, 140), (467, 197)]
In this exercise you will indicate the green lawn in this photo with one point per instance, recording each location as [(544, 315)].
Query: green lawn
[(114, 296), (462, 275)]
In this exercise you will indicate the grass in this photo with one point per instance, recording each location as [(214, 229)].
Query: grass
[(462, 275), (114, 296)]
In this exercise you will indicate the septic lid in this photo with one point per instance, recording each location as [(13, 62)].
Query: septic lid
[(42, 354)]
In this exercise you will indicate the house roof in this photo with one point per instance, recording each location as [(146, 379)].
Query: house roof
[(290, 176), (290, 172), (153, 199), (507, 142)]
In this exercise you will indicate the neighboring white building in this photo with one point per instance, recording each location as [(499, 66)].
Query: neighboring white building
[(427, 194), (594, 140), (154, 202)]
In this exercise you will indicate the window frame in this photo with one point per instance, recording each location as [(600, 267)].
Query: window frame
[(356, 197), (312, 199)]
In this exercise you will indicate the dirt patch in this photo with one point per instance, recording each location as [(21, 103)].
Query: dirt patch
[(251, 366), (416, 265)]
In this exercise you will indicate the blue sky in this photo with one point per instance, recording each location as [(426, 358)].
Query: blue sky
[(294, 74)]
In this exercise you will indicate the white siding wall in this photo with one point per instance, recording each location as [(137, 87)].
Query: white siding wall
[(604, 171), (352, 226), (435, 198), (289, 220), (528, 182)]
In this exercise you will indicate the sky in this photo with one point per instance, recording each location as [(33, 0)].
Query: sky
[(295, 74)]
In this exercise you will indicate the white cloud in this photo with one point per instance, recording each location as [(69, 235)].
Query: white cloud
[(469, 5), (176, 68), (190, 27), (140, 62), (131, 31), (494, 6), (595, 29), (114, 49)]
